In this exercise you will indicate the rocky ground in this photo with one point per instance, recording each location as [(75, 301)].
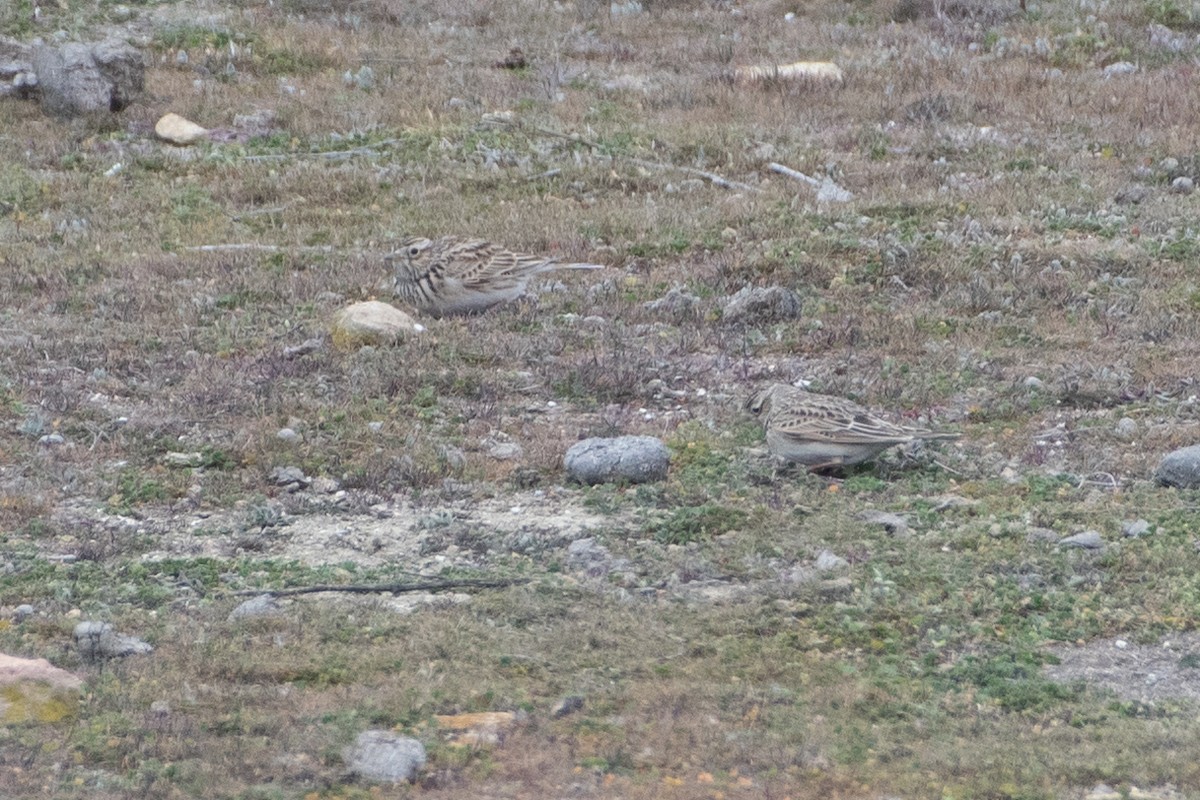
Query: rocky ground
[(297, 543)]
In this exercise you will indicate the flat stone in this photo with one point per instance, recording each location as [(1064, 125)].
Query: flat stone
[(384, 756)]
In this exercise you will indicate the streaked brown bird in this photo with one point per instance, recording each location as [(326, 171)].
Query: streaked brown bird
[(821, 431), (452, 275)]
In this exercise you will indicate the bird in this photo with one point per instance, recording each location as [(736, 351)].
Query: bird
[(824, 432), (454, 275)]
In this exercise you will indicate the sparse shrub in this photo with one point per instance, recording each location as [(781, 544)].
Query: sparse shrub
[(693, 524), (1013, 680)]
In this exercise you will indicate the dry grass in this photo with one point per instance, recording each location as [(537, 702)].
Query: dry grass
[(984, 148)]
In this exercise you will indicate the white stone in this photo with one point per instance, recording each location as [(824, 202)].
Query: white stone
[(175, 129)]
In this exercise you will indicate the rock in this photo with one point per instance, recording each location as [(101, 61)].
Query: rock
[(567, 706), (894, 524), (78, 78), (263, 605), (835, 588), (258, 123), (636, 459), (384, 756), (326, 485), (629, 8), (371, 323), (302, 349), (504, 451), (1162, 37), (97, 641), (676, 303), (289, 435), (51, 439), (1041, 535), (16, 68), (175, 129), (1126, 428), (22, 612), (1180, 468), (183, 460), (1132, 194), (1183, 185), (756, 304), (34, 690), (1119, 68), (589, 556), (365, 78), (1133, 528), (1088, 540), (827, 561), (292, 478)]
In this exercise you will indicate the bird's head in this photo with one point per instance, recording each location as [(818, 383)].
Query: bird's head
[(411, 253), (760, 402)]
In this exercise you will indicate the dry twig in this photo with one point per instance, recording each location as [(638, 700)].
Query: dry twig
[(392, 588)]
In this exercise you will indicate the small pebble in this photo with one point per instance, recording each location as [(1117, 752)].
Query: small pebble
[(1133, 528), (289, 435)]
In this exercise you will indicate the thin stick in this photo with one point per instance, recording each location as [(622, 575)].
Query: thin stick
[(793, 174), (393, 588), (826, 188), (269, 248)]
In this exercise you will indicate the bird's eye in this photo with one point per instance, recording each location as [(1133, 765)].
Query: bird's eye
[(414, 251)]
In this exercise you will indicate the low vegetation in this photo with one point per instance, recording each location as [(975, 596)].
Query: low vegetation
[(993, 275)]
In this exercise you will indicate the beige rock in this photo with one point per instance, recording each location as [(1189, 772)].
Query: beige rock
[(173, 128), (34, 690), (371, 323)]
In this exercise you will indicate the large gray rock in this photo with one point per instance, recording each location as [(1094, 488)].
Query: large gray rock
[(1180, 468), (636, 459), (384, 756), (78, 78), (98, 641), (754, 305)]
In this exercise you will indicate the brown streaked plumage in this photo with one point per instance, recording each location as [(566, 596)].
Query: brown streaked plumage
[(821, 431), (452, 275)]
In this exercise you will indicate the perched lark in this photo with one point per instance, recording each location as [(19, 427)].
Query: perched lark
[(464, 276), (823, 432)]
